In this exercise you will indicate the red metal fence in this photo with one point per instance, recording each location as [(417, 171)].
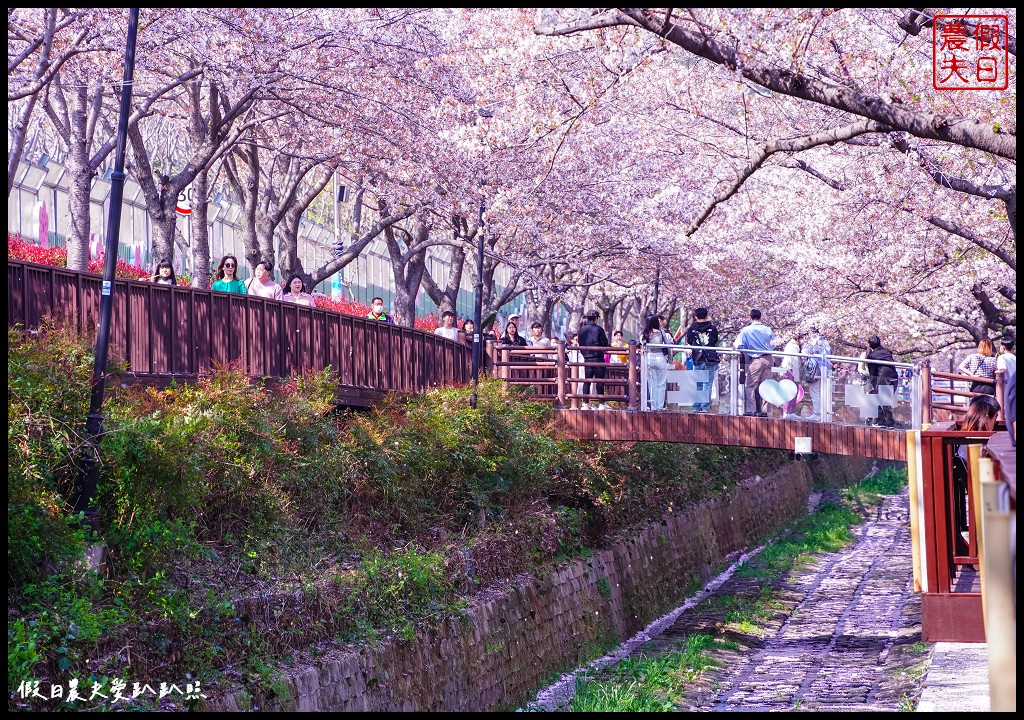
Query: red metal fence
[(165, 331)]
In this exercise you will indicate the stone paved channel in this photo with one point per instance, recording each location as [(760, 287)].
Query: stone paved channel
[(844, 633)]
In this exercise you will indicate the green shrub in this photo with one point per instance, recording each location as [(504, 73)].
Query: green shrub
[(395, 589)]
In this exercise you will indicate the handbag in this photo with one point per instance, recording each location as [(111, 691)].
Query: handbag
[(811, 370)]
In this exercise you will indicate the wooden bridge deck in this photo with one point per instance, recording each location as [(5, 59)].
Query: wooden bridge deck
[(708, 429)]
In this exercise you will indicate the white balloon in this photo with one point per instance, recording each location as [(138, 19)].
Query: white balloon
[(771, 392), (787, 389)]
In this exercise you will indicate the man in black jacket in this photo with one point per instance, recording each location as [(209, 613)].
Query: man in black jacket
[(593, 335), (881, 375), (703, 332)]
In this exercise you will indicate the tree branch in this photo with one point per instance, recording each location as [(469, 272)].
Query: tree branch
[(783, 145), (967, 132)]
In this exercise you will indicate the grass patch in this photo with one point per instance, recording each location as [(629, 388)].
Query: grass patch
[(646, 683)]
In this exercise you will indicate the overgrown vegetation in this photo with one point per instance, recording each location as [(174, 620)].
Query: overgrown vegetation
[(658, 681), (246, 521)]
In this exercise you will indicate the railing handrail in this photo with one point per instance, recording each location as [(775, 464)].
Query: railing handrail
[(740, 351), (960, 376)]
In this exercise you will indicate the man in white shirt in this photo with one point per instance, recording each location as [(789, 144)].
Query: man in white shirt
[(755, 339), (448, 329), (1006, 360)]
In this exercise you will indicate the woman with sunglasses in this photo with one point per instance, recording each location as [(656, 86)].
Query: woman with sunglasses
[(225, 279)]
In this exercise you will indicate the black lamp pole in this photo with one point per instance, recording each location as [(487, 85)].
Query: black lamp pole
[(478, 350), (89, 473)]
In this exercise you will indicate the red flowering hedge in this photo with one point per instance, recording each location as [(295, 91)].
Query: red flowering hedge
[(20, 249), (354, 307)]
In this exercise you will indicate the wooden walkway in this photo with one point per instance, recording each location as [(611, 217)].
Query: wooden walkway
[(169, 333), (708, 429)]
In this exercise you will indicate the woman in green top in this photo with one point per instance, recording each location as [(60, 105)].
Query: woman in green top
[(225, 279)]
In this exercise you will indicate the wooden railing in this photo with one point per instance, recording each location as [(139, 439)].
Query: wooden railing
[(165, 331), (944, 383), (553, 376), (951, 602)]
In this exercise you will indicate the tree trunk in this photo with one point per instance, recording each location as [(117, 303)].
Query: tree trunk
[(407, 269), (200, 235)]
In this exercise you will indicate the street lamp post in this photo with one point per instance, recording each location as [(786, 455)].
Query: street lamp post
[(89, 473)]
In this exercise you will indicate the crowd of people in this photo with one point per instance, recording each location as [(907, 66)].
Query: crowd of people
[(803, 360)]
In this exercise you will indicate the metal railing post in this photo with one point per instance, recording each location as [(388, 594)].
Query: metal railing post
[(915, 400), (632, 376), (644, 401), (926, 392), (734, 384), (826, 392)]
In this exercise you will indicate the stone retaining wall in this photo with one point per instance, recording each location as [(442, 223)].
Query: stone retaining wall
[(510, 645)]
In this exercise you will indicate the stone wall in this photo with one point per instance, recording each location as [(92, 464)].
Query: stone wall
[(512, 644)]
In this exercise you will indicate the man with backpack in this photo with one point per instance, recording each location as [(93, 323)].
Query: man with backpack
[(813, 368), (703, 332)]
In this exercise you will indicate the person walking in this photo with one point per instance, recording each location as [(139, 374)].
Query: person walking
[(225, 279), (702, 332), (377, 312), (593, 337), (262, 284), (755, 342), (981, 364), (297, 292), (813, 369), (882, 376), (657, 362), (447, 328)]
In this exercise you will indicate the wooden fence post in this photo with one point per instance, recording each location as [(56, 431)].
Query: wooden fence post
[(560, 372), (631, 387)]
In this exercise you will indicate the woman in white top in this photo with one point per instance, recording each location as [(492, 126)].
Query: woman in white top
[(657, 362), (791, 370), (262, 284), (297, 292)]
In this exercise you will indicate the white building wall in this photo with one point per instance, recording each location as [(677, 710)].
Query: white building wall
[(367, 276)]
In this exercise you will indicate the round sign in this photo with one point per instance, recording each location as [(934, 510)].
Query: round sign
[(184, 205)]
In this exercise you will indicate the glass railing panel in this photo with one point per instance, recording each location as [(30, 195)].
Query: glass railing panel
[(844, 393)]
